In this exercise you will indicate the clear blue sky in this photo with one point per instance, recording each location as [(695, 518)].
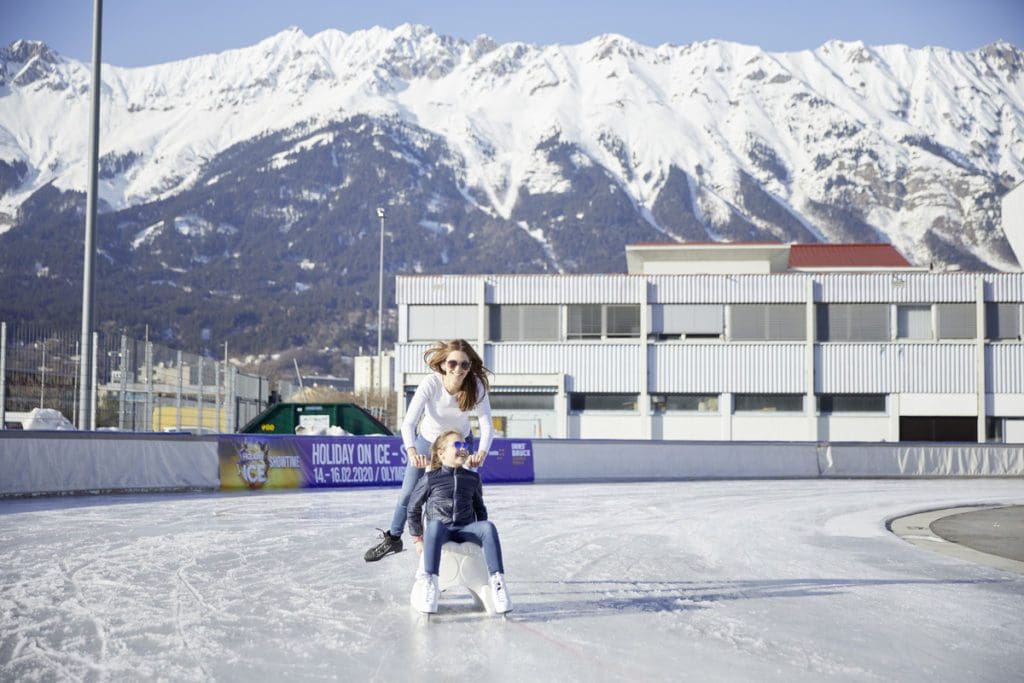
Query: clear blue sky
[(141, 32)]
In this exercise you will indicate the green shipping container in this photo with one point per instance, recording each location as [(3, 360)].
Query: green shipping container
[(285, 418)]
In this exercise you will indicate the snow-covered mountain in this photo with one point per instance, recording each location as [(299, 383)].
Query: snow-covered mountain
[(557, 155)]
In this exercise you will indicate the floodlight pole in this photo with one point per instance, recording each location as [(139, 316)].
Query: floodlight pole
[(85, 353), (380, 287)]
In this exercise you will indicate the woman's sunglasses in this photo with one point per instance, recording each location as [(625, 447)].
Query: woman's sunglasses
[(452, 364)]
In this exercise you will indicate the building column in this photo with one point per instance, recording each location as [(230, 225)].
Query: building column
[(645, 373), (894, 417), (979, 340), (809, 370), (561, 410), (725, 406)]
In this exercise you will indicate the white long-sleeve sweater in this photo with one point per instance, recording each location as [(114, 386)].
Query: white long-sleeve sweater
[(440, 412)]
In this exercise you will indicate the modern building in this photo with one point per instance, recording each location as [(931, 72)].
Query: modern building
[(373, 374), (736, 342)]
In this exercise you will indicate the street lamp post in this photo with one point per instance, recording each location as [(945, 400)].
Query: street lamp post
[(91, 196), (380, 287)]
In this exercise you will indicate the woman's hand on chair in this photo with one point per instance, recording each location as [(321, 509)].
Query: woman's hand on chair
[(478, 459)]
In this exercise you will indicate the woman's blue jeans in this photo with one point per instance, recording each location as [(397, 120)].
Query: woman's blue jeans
[(483, 533), (412, 475)]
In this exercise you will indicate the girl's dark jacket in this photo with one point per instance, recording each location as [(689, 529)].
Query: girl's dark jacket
[(453, 496)]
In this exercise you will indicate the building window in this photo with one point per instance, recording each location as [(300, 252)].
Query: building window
[(853, 322), (957, 321), (768, 403), (579, 403), (622, 320), (851, 403), (1002, 321), (672, 321), (584, 322), (431, 323), (684, 403), (599, 321), (914, 322), (767, 322), (525, 323), (522, 401)]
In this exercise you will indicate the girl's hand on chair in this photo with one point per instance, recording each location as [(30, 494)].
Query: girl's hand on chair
[(418, 460), (478, 459)]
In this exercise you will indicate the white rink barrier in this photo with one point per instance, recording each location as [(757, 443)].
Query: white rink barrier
[(98, 462), (612, 460), (921, 460), (76, 462)]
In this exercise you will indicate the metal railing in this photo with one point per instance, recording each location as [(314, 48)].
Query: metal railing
[(138, 385)]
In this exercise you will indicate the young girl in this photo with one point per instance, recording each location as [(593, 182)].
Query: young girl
[(444, 399), (455, 511)]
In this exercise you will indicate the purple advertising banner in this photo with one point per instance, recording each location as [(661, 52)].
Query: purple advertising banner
[(273, 462)]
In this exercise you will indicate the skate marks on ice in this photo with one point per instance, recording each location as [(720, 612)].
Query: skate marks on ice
[(552, 600), (754, 580)]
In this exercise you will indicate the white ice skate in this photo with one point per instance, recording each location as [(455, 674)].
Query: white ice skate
[(499, 594), (424, 594)]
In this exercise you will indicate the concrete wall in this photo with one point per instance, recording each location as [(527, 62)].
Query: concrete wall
[(60, 462)]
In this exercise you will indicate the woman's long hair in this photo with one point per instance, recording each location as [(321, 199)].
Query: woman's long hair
[(435, 357)]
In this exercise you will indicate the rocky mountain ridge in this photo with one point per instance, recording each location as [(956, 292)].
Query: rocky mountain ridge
[(239, 189)]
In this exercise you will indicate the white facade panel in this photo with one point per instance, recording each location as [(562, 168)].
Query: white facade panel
[(855, 428), (1005, 405), (566, 289), (688, 428), (951, 405), (1004, 364), (437, 289), (763, 368), (588, 367), (894, 368), (789, 427), (1013, 431), (724, 289), (1004, 287), (897, 287), (605, 426)]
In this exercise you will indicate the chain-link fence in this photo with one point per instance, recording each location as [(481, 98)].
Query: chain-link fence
[(138, 385)]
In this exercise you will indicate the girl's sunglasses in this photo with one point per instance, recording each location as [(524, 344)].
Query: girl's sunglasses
[(452, 364), (461, 445)]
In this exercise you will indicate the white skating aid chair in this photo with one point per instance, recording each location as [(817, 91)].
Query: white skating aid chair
[(462, 564)]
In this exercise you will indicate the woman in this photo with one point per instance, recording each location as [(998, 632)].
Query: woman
[(444, 399)]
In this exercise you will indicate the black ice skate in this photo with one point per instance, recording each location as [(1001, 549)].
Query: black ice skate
[(389, 544)]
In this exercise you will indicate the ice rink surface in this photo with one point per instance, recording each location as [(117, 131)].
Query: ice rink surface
[(725, 580)]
